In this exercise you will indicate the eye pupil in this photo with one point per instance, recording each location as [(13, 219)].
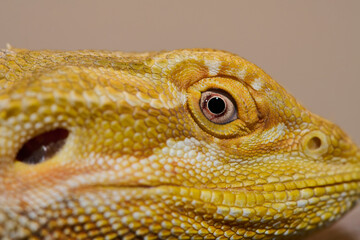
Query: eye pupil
[(216, 105)]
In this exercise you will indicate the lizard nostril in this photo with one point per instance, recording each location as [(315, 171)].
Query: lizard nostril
[(315, 143), (42, 147)]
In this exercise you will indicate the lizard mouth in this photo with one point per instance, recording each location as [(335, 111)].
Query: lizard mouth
[(313, 183), (324, 200), (299, 192)]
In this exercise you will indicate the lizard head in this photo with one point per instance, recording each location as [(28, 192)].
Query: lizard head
[(188, 143)]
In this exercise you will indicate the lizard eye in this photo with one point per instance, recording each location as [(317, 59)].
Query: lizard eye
[(222, 107), (218, 106)]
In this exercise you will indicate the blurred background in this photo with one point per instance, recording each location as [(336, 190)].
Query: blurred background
[(312, 48)]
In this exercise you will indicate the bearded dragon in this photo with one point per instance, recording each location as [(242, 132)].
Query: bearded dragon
[(185, 144)]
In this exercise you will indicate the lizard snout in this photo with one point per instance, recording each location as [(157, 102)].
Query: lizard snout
[(328, 142)]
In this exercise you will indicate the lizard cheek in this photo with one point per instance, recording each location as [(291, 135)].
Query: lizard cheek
[(42, 147), (315, 144)]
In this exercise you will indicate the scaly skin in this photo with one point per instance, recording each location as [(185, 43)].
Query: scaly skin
[(141, 161)]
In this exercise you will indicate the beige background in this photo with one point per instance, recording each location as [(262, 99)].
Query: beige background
[(310, 47)]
